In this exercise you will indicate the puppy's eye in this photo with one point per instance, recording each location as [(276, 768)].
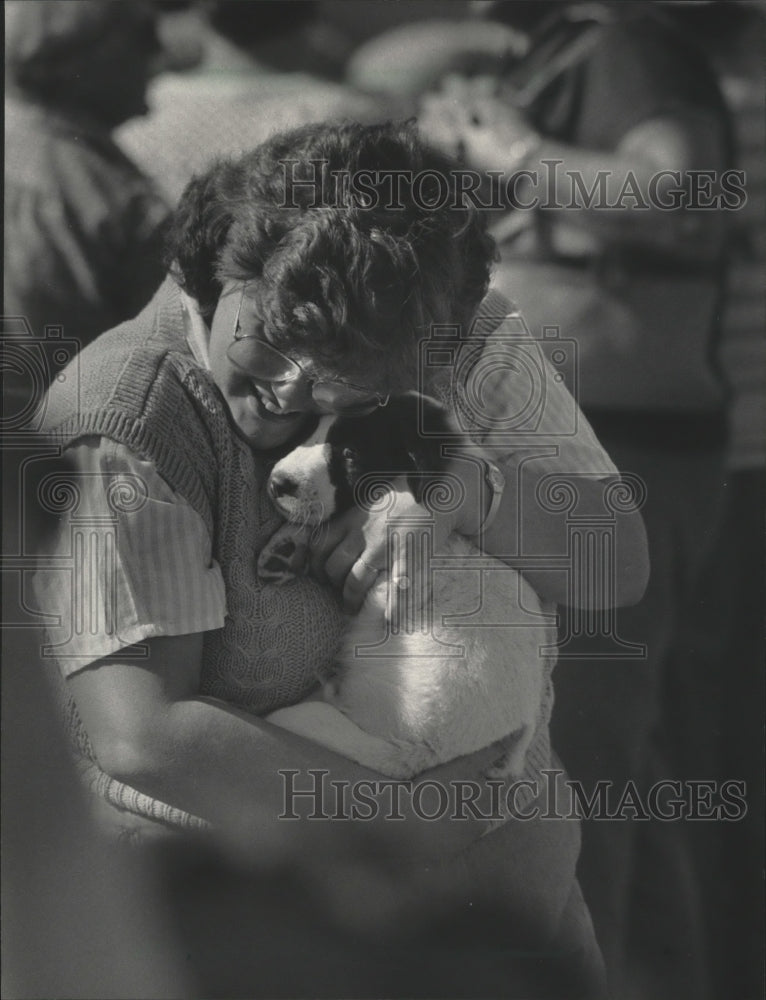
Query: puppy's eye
[(349, 454)]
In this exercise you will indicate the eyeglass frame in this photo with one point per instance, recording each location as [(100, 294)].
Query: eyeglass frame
[(379, 400)]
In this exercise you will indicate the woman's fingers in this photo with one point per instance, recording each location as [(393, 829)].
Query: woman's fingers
[(409, 592), (349, 554), (323, 546), (455, 86), (469, 120), (355, 548), (359, 579), (355, 565), (441, 121)]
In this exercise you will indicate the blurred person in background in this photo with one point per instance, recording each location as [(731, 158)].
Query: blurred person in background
[(618, 89), (82, 915), (82, 223), (262, 70), (720, 731)]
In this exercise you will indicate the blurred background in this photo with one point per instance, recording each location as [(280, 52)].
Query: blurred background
[(110, 109)]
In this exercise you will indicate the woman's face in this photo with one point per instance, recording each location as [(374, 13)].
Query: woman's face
[(268, 413), (267, 416)]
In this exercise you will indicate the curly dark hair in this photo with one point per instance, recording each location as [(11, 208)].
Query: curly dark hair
[(356, 237)]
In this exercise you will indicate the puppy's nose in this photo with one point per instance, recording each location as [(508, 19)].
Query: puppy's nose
[(281, 485)]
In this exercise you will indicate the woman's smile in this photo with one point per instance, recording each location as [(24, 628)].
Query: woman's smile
[(267, 406)]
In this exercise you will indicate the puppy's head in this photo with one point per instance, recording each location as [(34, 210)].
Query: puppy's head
[(318, 478)]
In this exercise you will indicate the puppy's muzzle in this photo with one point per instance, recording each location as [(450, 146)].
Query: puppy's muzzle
[(281, 484)]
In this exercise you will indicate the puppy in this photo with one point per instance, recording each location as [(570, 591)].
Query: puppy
[(467, 668)]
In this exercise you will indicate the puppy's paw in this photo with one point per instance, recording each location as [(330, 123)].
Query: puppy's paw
[(282, 558), (275, 568)]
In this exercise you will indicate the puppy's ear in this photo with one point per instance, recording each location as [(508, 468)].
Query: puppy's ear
[(425, 425)]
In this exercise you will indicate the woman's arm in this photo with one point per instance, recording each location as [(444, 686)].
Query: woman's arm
[(525, 526), (522, 528), (150, 728)]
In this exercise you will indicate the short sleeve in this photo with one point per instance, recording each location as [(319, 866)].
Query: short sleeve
[(511, 395), (130, 560)]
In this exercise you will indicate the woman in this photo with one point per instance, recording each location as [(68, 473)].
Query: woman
[(291, 283)]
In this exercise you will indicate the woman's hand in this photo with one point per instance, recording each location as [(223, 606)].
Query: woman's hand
[(468, 120), (354, 548)]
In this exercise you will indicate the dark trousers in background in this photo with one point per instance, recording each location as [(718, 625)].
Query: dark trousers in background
[(719, 734), (610, 723)]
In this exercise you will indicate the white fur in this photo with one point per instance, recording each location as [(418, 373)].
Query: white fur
[(411, 704), (307, 466)]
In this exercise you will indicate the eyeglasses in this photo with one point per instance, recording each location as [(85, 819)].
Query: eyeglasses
[(257, 357)]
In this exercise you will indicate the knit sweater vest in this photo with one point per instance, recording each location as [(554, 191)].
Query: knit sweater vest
[(140, 385)]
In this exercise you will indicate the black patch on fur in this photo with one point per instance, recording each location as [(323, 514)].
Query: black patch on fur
[(285, 549), (388, 442), (343, 470), (305, 431), (275, 563)]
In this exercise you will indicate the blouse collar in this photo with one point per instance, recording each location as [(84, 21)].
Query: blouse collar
[(197, 331)]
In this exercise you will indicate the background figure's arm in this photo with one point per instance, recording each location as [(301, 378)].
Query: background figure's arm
[(646, 180), (574, 187)]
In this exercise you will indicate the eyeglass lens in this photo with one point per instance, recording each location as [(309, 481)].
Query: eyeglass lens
[(258, 358)]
